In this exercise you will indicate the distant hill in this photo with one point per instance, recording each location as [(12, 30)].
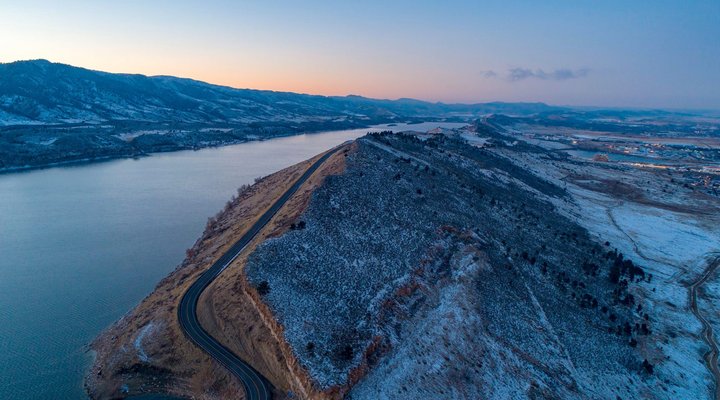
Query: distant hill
[(42, 92), (56, 113)]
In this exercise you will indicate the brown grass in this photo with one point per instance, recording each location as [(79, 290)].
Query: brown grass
[(632, 193), (176, 366), (232, 311)]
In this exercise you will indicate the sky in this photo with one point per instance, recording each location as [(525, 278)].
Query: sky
[(631, 53)]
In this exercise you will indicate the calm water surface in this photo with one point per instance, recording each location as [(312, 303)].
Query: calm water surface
[(81, 245)]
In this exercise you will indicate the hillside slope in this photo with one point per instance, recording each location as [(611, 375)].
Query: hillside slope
[(467, 264), (55, 113), (442, 270), (453, 264), (41, 92), (146, 352)]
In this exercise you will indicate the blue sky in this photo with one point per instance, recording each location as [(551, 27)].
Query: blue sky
[(608, 53)]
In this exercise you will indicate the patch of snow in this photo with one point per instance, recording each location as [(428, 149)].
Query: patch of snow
[(148, 329)]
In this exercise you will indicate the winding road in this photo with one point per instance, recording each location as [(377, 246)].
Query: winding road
[(711, 356), (256, 386)]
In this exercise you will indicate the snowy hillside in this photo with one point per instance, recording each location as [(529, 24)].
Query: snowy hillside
[(55, 113), (39, 91), (439, 269)]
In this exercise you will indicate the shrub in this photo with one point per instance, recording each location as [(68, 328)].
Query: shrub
[(648, 367), (346, 353), (614, 274), (263, 288)]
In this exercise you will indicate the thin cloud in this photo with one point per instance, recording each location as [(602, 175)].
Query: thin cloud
[(489, 74), (521, 74)]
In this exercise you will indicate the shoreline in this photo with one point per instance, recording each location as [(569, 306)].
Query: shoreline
[(100, 159)]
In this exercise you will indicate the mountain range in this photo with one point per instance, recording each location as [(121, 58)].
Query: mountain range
[(42, 92), (54, 113)]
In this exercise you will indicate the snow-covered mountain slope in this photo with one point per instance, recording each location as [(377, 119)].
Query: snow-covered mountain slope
[(56, 113), (39, 91), (44, 92), (432, 268), (448, 264)]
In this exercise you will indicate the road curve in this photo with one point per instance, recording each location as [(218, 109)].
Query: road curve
[(711, 356), (255, 385)]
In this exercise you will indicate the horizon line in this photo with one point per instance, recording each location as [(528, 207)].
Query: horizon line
[(571, 106)]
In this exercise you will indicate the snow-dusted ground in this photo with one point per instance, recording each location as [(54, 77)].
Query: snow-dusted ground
[(673, 232), (446, 351), (454, 271), (146, 331), (675, 248)]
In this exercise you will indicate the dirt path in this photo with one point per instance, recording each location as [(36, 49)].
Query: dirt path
[(636, 249), (711, 356)]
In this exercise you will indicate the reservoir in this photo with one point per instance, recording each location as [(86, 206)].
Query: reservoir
[(81, 245)]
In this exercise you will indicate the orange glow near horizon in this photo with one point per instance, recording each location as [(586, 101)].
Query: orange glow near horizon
[(467, 51), (277, 77)]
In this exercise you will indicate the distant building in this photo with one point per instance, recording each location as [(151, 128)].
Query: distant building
[(601, 157)]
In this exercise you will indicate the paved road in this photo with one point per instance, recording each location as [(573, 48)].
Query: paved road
[(711, 356), (256, 386)]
